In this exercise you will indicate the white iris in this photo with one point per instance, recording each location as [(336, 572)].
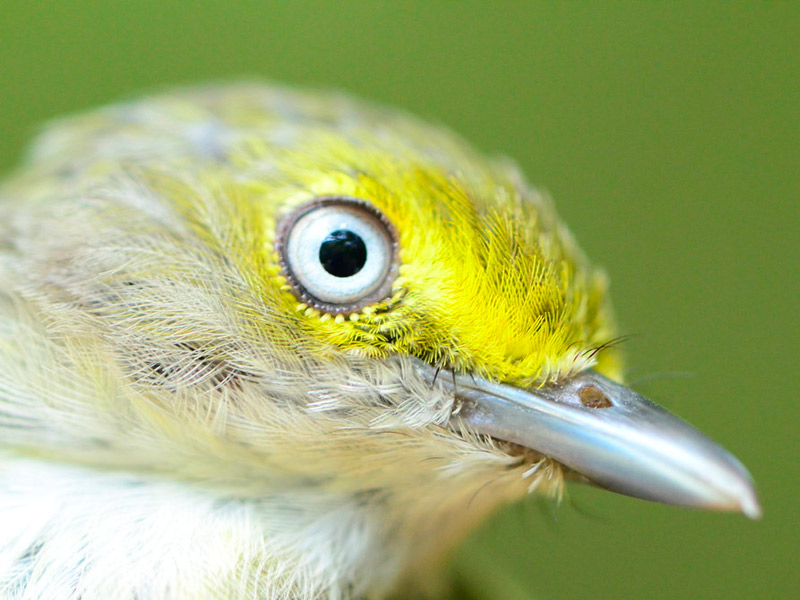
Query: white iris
[(303, 253)]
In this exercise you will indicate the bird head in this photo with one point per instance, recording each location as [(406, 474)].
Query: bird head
[(342, 320)]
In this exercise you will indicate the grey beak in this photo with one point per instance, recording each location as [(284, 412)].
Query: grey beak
[(616, 438)]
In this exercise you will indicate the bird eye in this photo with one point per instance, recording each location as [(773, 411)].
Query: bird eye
[(338, 253)]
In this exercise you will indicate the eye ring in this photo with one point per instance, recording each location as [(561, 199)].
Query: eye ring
[(345, 287)]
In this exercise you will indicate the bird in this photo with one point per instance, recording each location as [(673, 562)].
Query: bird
[(271, 343)]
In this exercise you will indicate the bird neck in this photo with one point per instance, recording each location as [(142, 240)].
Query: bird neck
[(73, 532)]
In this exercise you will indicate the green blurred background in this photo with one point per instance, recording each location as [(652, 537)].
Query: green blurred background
[(669, 135)]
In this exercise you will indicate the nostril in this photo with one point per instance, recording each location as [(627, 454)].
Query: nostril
[(593, 397)]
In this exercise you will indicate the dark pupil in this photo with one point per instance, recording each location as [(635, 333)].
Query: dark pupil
[(342, 253)]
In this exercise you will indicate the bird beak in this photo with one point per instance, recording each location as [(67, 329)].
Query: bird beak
[(616, 438)]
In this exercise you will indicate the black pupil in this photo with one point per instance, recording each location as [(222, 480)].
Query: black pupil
[(342, 253)]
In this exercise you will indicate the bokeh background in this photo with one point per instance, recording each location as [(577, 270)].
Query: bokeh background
[(669, 135)]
